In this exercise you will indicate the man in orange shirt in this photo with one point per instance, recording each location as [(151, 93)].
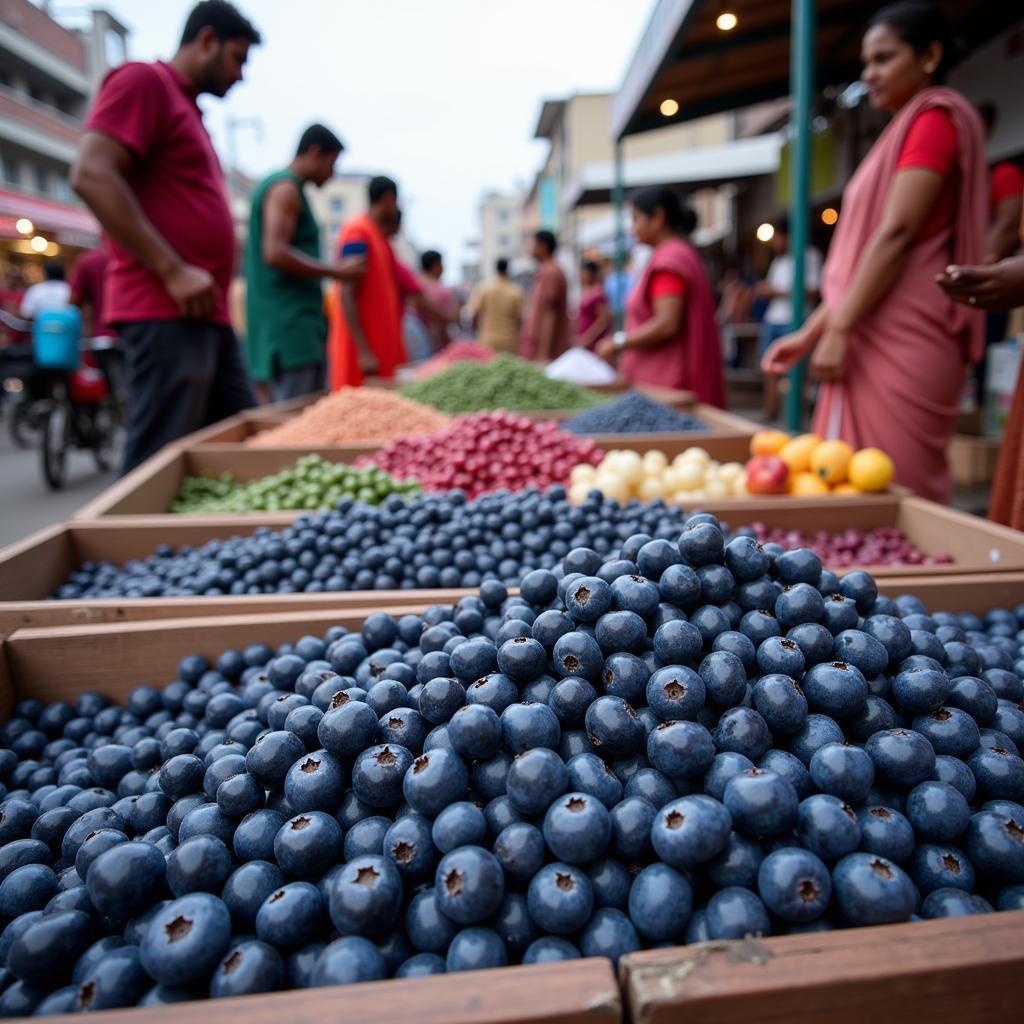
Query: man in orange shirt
[(365, 320)]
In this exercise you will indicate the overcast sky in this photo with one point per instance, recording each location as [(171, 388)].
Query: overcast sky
[(441, 94)]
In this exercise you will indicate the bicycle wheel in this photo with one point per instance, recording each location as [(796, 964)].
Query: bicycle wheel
[(104, 433), (56, 441)]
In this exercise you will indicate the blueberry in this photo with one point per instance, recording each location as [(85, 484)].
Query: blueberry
[(308, 844), (761, 803), (469, 884), (998, 772), (746, 559), (365, 896), (818, 731), (200, 864), (113, 980), (27, 888), (519, 849), (185, 941), (794, 884), (892, 634), (680, 749), (475, 949), (950, 730), (347, 961), (902, 757), (782, 656), (126, 879), (872, 890), (347, 728), (613, 726), (701, 543), (378, 773), (255, 834), (408, 845), (270, 758), (725, 765), (724, 676), (577, 828), (422, 965), (844, 771), (434, 780), (835, 688), (734, 913), (934, 866), (495, 690), (460, 824), (781, 703), (246, 889), (744, 731), (550, 949), (886, 832), (651, 785), (995, 843), (289, 915), (952, 903), (660, 903), (937, 811), (248, 968), (690, 831), (737, 863), (522, 659), (570, 699), (528, 724), (513, 924), (955, 773), (578, 654), (560, 899), (428, 929), (680, 586), (863, 651), (799, 602), (475, 731), (675, 692), (828, 827)]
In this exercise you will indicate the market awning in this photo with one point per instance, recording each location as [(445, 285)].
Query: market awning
[(71, 224), (693, 168), (684, 56)]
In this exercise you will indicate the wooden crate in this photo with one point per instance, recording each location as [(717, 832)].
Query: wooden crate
[(32, 569), (942, 971)]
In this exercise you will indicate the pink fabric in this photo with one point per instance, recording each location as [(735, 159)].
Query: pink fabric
[(586, 316), (905, 365), (692, 360)]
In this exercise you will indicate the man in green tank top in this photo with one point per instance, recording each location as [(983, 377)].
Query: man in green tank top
[(286, 325)]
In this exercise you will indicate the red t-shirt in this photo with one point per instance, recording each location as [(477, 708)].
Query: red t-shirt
[(932, 144), (407, 283), (1007, 182), (178, 181), (88, 280), (665, 282)]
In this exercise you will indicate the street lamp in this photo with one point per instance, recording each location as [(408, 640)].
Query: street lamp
[(24, 226), (39, 243)]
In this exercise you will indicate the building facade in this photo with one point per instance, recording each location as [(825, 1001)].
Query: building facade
[(501, 230), (338, 201), (48, 75)]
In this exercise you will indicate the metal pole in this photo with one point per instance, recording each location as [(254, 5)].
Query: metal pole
[(618, 199), (801, 78)]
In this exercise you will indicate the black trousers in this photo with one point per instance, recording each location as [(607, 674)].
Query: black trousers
[(181, 375)]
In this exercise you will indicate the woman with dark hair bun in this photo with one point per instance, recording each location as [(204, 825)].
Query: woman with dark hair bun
[(671, 337), (890, 348)]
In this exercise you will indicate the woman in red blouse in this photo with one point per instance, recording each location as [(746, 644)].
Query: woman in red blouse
[(888, 345), (671, 337)]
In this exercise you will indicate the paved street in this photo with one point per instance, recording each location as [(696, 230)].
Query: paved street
[(26, 503)]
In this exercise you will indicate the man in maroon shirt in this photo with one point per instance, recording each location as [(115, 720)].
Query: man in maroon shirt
[(546, 330), (148, 171)]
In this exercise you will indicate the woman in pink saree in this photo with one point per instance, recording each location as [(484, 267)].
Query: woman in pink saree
[(889, 346)]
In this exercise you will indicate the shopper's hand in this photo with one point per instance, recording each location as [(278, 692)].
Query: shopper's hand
[(829, 359), (193, 289), (998, 286), (350, 268), (606, 349), (785, 352)]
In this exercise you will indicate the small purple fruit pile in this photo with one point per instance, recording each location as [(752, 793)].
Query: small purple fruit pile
[(694, 740)]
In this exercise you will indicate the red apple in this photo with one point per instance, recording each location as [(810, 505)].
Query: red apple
[(767, 474)]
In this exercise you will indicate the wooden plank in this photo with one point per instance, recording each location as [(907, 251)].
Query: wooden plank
[(37, 565), (572, 992), (56, 663), (153, 485), (976, 593), (949, 970)]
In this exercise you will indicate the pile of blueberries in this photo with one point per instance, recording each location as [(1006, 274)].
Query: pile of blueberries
[(633, 413), (439, 540), (694, 740)]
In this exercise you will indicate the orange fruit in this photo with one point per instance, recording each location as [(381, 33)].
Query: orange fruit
[(870, 469), (797, 453), (846, 488), (830, 459), (768, 442), (806, 484)]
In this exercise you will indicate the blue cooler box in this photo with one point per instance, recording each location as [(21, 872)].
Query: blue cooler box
[(57, 338)]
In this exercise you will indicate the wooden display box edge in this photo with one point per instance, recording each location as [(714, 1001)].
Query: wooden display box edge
[(940, 971), (571, 992)]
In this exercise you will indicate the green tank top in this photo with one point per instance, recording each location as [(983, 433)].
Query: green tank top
[(285, 320)]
